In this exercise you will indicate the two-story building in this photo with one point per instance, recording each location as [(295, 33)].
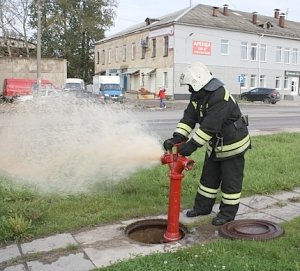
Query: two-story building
[(244, 50)]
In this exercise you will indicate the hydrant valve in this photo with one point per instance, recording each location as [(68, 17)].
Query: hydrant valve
[(177, 165)]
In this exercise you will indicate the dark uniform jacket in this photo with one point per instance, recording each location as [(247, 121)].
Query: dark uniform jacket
[(222, 128)]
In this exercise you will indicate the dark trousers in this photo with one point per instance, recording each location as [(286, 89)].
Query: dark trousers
[(229, 175), (161, 103)]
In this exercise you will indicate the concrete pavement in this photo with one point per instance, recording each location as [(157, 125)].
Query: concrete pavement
[(105, 245)]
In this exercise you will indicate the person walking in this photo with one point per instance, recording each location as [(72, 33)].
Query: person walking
[(223, 130), (162, 96)]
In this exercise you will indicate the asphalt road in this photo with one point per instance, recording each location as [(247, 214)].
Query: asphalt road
[(263, 118)]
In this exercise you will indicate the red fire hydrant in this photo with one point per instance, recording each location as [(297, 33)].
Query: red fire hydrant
[(177, 164)]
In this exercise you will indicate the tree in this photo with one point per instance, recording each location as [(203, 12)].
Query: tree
[(14, 22), (70, 28)]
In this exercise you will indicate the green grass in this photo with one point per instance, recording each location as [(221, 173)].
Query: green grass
[(272, 165), (281, 254)]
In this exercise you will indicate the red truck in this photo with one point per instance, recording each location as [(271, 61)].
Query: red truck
[(20, 87)]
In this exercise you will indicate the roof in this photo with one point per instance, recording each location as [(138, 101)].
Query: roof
[(166, 19), (202, 16), (15, 42)]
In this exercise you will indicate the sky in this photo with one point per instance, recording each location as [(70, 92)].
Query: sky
[(131, 12)]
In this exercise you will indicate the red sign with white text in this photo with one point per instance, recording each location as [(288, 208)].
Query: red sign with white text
[(201, 47)]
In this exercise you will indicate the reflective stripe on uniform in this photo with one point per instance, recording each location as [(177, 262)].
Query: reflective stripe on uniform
[(224, 152), (232, 98), (227, 95), (201, 137), (207, 192), (233, 149), (231, 199), (183, 129), (234, 145)]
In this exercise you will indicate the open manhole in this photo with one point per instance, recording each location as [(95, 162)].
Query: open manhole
[(251, 229), (150, 231)]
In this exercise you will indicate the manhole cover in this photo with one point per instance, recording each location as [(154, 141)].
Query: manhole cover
[(251, 229), (150, 231)]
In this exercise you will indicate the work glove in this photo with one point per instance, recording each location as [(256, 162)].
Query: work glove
[(169, 143), (186, 149)]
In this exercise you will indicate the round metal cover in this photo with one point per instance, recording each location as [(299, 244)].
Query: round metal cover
[(251, 229)]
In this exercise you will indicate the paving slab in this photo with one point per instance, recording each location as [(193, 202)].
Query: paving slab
[(72, 262), (9, 252), (259, 215), (286, 196), (19, 267), (258, 202), (49, 243), (108, 256), (297, 204), (297, 190), (103, 233), (244, 209), (287, 212)]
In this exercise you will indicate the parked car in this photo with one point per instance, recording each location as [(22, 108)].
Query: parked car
[(74, 84), (266, 95)]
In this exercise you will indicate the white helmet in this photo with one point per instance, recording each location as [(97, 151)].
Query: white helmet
[(197, 75)]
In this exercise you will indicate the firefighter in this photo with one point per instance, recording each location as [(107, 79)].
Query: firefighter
[(223, 130)]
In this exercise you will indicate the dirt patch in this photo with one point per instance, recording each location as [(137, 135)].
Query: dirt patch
[(202, 234)]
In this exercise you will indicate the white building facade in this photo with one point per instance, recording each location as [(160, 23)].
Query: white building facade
[(244, 50)]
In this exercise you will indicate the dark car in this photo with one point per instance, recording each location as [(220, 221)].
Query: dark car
[(266, 95)]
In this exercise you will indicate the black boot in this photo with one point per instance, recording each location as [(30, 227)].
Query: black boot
[(218, 221), (193, 213)]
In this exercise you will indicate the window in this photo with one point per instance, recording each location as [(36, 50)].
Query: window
[(153, 47), (286, 82), (287, 53), (263, 52), (165, 79), (244, 51), (103, 57), (98, 57), (117, 54), (253, 51), (262, 81), (278, 82), (224, 47), (278, 54), (133, 51), (124, 53), (252, 81), (166, 45), (295, 56), (109, 55)]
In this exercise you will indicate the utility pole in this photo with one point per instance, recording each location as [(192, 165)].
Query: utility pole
[(38, 51), (190, 3)]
